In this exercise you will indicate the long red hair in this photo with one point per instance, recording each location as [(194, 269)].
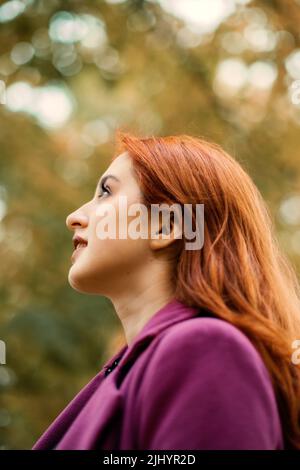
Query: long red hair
[(240, 274)]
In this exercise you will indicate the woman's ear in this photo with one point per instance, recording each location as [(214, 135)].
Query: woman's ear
[(167, 232)]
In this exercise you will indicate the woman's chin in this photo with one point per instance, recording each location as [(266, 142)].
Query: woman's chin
[(83, 281), (78, 281)]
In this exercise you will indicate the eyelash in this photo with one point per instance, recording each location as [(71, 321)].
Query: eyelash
[(104, 188)]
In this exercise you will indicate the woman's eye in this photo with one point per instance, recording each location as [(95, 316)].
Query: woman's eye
[(104, 190)]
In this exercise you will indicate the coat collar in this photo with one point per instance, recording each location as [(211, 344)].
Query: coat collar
[(66, 431), (173, 312)]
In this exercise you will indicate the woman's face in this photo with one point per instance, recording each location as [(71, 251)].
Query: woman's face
[(104, 266)]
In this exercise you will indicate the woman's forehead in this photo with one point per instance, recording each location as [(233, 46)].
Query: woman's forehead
[(121, 166)]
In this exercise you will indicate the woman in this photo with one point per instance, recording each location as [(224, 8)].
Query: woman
[(207, 362)]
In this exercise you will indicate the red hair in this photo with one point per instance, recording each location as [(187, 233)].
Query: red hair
[(240, 274)]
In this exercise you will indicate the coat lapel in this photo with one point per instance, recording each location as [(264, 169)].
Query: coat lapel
[(55, 433), (91, 419)]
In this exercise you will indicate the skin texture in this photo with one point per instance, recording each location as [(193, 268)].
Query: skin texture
[(135, 274)]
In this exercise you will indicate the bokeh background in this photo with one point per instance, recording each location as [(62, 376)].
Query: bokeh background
[(71, 73)]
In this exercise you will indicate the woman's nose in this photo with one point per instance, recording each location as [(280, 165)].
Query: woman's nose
[(76, 219)]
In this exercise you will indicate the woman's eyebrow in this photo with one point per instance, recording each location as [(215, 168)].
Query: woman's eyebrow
[(105, 178)]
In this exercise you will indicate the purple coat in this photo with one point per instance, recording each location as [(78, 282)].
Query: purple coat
[(187, 382)]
